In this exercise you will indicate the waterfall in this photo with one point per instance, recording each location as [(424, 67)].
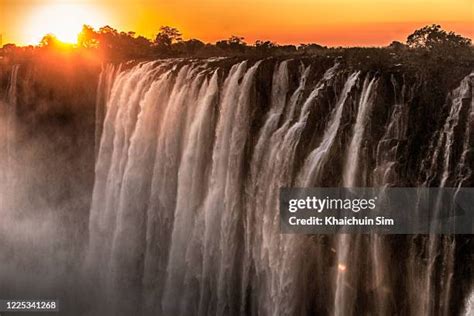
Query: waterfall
[(344, 301), (318, 158), (465, 94), (447, 134), (350, 174), (262, 250), (442, 156), (469, 307), (106, 80), (133, 90), (192, 154)]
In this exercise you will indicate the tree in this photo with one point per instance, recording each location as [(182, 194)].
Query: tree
[(9, 47), (433, 37), (115, 44), (287, 49), (88, 38), (310, 48), (189, 47), (396, 45), (233, 44), (50, 41), (265, 47), (236, 40), (167, 36)]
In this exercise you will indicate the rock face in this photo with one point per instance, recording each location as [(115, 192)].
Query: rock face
[(180, 214)]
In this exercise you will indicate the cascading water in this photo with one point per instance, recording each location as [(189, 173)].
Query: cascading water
[(441, 250), (181, 224), (106, 79), (319, 157), (191, 154), (344, 300)]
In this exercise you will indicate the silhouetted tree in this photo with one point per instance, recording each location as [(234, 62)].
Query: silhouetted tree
[(9, 47), (88, 38), (236, 40), (396, 45), (235, 44), (141, 42), (115, 44), (166, 37), (50, 41), (188, 47), (108, 37), (433, 36), (287, 49), (265, 47), (310, 48)]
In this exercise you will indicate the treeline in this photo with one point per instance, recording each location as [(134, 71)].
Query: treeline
[(112, 45), (115, 45)]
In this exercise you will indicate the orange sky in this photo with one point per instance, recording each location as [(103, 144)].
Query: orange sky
[(328, 22)]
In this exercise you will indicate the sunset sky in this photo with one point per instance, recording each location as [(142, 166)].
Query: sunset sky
[(328, 22)]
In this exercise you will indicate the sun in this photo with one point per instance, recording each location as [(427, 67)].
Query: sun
[(64, 20)]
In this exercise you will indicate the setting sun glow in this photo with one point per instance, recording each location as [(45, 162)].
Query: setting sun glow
[(327, 22), (64, 20)]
